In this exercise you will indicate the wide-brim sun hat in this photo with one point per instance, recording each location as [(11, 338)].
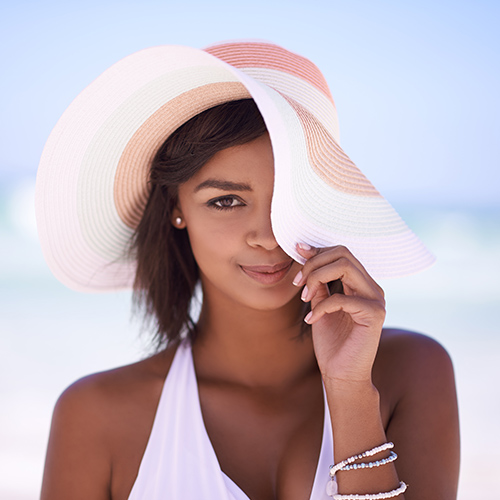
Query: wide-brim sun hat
[(92, 182)]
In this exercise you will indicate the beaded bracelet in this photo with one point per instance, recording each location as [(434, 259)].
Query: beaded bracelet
[(369, 465), (331, 487), (335, 468), (376, 496)]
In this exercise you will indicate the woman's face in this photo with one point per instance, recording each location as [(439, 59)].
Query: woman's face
[(226, 209)]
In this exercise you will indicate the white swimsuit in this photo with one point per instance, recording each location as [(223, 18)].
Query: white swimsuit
[(180, 463)]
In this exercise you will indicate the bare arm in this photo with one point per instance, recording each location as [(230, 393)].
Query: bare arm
[(346, 331), (423, 423)]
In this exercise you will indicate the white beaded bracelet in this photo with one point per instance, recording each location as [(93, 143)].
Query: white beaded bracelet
[(375, 496), (378, 449), (369, 465)]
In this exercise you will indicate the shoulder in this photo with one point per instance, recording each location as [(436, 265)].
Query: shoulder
[(414, 375), (99, 409), (409, 362), (99, 396), (109, 386), (399, 346), (99, 420)]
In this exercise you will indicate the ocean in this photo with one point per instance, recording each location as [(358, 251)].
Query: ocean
[(51, 336)]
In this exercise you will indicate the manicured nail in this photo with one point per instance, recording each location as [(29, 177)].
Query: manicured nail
[(305, 293), (304, 246), (296, 281), (308, 317)]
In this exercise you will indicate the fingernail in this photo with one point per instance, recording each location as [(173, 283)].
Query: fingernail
[(308, 317), (305, 292), (304, 246), (296, 281)]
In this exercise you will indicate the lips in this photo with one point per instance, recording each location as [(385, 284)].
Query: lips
[(268, 274)]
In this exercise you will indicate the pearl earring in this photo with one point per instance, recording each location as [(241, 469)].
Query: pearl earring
[(178, 221)]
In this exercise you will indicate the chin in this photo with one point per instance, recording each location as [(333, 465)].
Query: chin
[(245, 293), (272, 300)]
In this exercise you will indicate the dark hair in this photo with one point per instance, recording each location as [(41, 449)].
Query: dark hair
[(166, 269)]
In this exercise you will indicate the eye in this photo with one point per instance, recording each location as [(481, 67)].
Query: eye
[(225, 203)]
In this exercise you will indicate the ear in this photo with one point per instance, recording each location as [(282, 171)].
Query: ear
[(177, 219)]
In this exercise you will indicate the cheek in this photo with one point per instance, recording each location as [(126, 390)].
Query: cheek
[(214, 244)]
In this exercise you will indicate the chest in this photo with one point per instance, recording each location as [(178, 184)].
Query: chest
[(267, 443)]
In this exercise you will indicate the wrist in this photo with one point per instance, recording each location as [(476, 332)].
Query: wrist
[(354, 404), (351, 388)]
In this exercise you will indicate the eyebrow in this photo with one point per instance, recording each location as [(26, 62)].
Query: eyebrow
[(223, 185)]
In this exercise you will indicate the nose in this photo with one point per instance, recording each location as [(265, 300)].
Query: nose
[(261, 232)]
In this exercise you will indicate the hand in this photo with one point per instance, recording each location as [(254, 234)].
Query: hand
[(346, 327)]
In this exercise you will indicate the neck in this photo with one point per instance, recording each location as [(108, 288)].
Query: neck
[(254, 348)]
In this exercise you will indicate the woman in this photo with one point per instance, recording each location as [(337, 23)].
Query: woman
[(180, 167)]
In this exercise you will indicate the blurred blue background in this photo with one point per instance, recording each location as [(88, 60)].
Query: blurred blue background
[(416, 85)]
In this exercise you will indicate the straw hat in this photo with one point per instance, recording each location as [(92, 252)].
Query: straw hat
[(92, 179)]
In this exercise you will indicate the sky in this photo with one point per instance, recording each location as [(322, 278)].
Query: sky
[(415, 83)]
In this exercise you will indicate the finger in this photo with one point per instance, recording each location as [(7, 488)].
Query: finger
[(355, 281), (324, 255), (363, 311), (320, 257), (307, 251)]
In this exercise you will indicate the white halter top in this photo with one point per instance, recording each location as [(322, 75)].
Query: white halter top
[(180, 463)]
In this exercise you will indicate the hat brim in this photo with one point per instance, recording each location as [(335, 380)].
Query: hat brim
[(92, 178)]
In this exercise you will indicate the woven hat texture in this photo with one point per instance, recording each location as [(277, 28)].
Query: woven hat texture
[(92, 179)]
